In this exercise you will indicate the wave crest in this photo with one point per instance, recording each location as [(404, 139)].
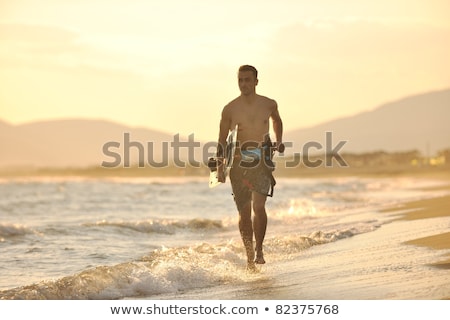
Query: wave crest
[(161, 226), (9, 230)]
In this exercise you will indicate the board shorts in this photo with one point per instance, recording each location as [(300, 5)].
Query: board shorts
[(246, 178)]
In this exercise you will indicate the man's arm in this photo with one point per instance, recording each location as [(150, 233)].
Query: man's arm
[(224, 128), (277, 128)]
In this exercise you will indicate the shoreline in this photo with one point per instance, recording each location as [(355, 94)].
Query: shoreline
[(435, 207), (383, 264), (388, 171)]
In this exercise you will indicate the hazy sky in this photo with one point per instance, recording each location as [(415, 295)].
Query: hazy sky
[(171, 65)]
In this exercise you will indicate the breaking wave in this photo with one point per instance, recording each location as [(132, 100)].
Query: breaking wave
[(171, 270), (162, 226), (8, 230)]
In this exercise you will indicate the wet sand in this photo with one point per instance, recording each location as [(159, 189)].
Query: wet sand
[(426, 209)]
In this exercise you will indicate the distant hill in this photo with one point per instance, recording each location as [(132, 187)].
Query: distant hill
[(419, 122), (70, 143)]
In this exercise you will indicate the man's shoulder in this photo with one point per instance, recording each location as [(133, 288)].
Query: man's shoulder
[(230, 105), (233, 102), (267, 101)]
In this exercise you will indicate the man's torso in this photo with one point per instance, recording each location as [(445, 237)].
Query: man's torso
[(252, 119)]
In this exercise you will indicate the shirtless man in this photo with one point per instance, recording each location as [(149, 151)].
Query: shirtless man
[(251, 181)]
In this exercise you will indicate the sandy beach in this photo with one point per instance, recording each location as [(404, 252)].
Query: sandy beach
[(438, 207), (426, 209)]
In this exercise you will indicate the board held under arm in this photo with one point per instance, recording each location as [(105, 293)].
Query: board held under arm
[(229, 157)]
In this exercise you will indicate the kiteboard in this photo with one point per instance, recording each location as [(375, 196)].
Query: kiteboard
[(228, 159)]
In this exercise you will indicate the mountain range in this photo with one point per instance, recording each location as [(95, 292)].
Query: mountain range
[(70, 142), (419, 122)]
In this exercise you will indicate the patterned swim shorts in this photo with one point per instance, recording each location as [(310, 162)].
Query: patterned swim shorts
[(245, 180)]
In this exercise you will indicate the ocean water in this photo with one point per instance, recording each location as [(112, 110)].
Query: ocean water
[(170, 238)]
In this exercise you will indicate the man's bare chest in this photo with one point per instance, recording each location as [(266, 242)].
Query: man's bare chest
[(251, 115)]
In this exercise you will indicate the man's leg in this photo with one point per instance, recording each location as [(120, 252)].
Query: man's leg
[(243, 199), (246, 230), (259, 224)]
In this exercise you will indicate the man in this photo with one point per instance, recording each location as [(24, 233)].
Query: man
[(251, 174)]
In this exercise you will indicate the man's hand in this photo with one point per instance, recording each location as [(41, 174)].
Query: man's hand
[(220, 171), (279, 146), (221, 176)]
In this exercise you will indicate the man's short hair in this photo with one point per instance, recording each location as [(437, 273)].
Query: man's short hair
[(247, 67)]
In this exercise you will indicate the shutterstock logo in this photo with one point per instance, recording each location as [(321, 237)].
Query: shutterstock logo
[(310, 146), (192, 153)]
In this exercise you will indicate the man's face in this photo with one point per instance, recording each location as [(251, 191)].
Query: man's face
[(247, 82)]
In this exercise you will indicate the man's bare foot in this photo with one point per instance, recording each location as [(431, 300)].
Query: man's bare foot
[(259, 258), (251, 267)]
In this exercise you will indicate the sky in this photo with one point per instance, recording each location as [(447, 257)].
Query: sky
[(172, 65)]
